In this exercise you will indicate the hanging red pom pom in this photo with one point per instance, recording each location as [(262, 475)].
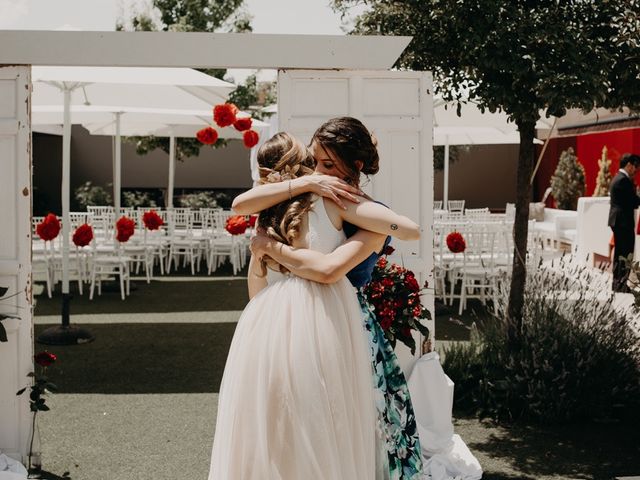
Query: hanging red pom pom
[(207, 135), (83, 235), (242, 124), (151, 220), (236, 225), (456, 243), (125, 228), (250, 138), (225, 114), (49, 228)]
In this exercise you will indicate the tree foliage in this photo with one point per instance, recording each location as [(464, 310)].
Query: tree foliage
[(519, 57)]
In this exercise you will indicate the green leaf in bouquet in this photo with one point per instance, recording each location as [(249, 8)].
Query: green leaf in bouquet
[(21, 391), (43, 408), (422, 329), (51, 387), (3, 333), (3, 290)]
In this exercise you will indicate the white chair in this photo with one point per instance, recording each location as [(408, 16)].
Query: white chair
[(182, 241), (455, 205), (477, 214), (437, 204), (106, 265)]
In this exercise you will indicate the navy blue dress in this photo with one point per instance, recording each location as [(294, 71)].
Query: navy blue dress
[(396, 419)]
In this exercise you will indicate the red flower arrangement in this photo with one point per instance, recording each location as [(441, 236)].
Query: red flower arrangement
[(236, 225), (456, 243), (252, 220), (45, 359), (394, 293), (250, 138), (49, 228), (207, 135), (242, 124), (225, 114), (83, 235), (125, 227), (151, 220)]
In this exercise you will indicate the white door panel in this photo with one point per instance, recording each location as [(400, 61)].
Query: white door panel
[(397, 107)]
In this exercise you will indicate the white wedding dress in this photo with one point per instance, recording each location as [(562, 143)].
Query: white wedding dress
[(296, 401)]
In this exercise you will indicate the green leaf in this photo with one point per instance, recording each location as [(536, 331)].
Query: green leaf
[(3, 290), (3, 333), (21, 391), (43, 408), (51, 387)]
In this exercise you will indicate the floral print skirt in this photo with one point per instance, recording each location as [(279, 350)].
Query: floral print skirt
[(397, 428)]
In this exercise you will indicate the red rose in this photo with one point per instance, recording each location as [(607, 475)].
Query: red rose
[(386, 322), (207, 135), (250, 138), (456, 243), (45, 359), (411, 283), (83, 235), (152, 220), (388, 250), (125, 228), (417, 311), (49, 228), (382, 262), (236, 225), (225, 114), (252, 220), (242, 124), (387, 282)]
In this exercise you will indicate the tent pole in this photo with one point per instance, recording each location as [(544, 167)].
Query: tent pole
[(65, 334), (117, 170), (172, 169), (445, 195)]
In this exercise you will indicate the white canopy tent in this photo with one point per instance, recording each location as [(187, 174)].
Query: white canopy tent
[(472, 127), (178, 88)]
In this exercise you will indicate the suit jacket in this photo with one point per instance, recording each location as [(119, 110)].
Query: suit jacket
[(623, 201)]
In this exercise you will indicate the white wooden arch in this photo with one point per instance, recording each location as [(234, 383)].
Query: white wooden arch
[(396, 105)]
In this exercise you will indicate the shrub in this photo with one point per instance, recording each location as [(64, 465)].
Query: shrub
[(576, 357), (567, 182), (138, 199), (88, 194), (204, 199)]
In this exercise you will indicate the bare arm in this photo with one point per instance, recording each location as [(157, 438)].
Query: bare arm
[(375, 217), (270, 194), (317, 266), (255, 282)]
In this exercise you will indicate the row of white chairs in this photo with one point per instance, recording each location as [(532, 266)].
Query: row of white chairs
[(186, 238), (452, 205), (485, 262)]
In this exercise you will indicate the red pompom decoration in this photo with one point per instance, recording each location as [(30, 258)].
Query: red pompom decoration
[(151, 220), (124, 229), (456, 243), (45, 359), (250, 138), (225, 114), (236, 225), (207, 135), (242, 124), (83, 235), (49, 228), (252, 220)]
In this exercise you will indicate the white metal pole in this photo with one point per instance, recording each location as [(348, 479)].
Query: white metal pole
[(172, 170), (117, 170), (66, 173), (445, 194)]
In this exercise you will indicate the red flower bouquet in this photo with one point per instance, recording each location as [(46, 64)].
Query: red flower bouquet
[(49, 228), (225, 114), (236, 225), (45, 359), (124, 229), (207, 135), (151, 220), (252, 220), (83, 235), (242, 124), (456, 243), (394, 293), (250, 138)]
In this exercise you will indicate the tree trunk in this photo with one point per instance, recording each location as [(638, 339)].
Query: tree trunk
[(520, 231)]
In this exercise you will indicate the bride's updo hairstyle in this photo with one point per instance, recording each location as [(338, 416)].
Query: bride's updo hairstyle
[(283, 158), (349, 140)]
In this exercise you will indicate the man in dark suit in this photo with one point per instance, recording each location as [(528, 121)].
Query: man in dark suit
[(623, 201)]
